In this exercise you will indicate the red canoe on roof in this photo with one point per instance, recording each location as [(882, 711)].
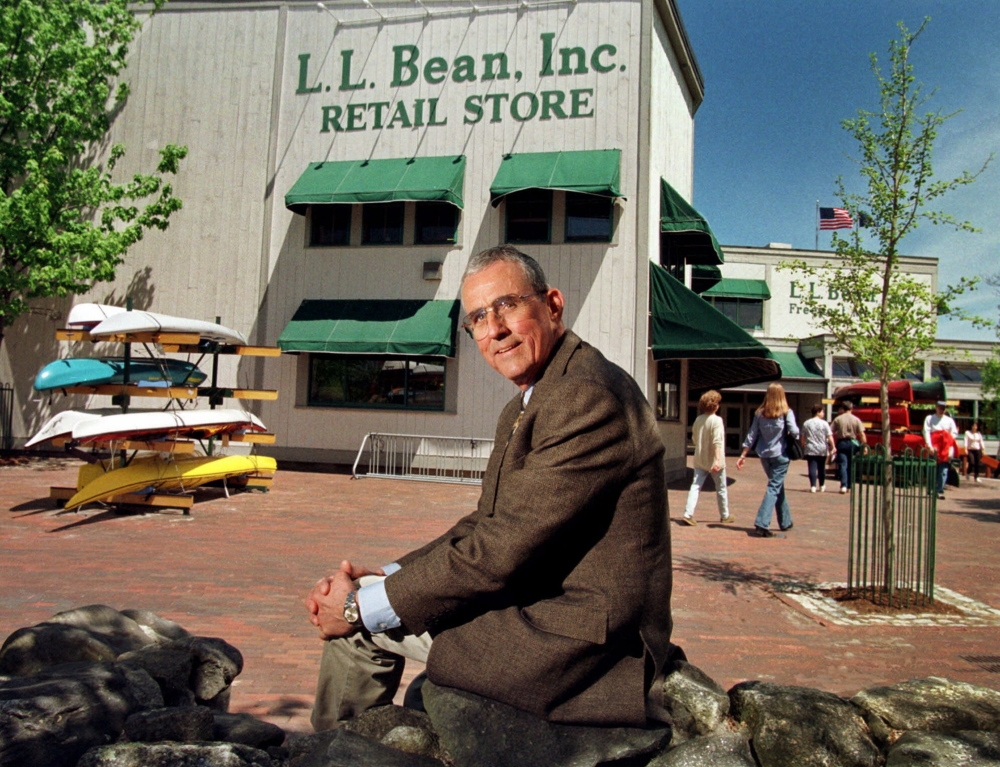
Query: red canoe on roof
[(899, 390)]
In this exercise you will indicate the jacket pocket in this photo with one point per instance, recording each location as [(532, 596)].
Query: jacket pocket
[(568, 620)]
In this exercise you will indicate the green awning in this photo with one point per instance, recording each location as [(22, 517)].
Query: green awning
[(685, 326), (593, 172), (685, 232), (704, 277), (350, 181), (729, 287), (794, 365), (373, 327)]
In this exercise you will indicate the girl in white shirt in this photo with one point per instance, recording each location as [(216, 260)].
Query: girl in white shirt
[(974, 447)]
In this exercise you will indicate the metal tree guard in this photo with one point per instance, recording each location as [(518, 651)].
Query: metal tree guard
[(893, 557)]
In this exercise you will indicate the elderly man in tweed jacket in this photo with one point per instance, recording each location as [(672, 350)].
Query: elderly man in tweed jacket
[(553, 596)]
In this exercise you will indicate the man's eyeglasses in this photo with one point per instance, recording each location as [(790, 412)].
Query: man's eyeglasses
[(505, 308)]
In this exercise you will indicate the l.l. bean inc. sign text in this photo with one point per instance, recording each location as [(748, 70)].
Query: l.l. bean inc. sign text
[(409, 66)]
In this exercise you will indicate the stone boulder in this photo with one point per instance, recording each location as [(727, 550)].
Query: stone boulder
[(192, 723), (933, 704), (246, 729), (348, 749), (399, 727), (477, 731), (803, 727), (936, 749), (726, 749), (176, 755), (50, 719), (694, 704), (192, 670), (92, 633)]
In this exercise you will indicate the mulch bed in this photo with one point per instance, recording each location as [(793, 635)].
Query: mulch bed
[(903, 601)]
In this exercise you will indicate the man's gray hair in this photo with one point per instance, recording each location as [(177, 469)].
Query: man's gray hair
[(530, 267)]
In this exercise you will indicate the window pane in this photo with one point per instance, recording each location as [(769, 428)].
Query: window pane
[(964, 373), (382, 223), (750, 313), (588, 217), (668, 378), (728, 306), (436, 223), (529, 216), (376, 382), (842, 368), (330, 225)]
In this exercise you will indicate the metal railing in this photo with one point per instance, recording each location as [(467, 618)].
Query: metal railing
[(6, 417), (460, 460), (891, 549)]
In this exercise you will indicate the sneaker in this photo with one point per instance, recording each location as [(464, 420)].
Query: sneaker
[(843, 490), (763, 532), (727, 518), (822, 488), (812, 489), (689, 520), (788, 528), (978, 481), (941, 497)]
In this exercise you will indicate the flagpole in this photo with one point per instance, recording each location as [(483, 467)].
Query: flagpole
[(816, 224)]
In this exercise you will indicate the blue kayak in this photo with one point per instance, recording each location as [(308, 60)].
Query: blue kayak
[(144, 371)]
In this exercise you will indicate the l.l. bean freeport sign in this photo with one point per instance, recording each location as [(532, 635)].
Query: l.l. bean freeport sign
[(498, 101)]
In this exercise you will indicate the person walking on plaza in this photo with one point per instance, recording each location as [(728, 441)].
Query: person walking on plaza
[(849, 440), (767, 438), (939, 436), (817, 444), (974, 447), (708, 434)]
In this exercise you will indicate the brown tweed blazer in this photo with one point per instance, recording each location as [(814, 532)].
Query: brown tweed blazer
[(554, 595)]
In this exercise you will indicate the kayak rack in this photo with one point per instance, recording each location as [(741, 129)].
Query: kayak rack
[(122, 393)]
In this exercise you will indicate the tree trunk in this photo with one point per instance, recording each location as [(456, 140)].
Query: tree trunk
[(888, 508)]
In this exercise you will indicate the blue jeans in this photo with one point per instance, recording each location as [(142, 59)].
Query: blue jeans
[(817, 470), (774, 494), (845, 455), (721, 495), (942, 476)]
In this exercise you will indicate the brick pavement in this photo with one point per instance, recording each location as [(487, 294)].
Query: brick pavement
[(239, 567)]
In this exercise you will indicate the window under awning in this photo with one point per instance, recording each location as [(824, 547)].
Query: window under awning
[(729, 287), (592, 172), (687, 232), (372, 327), (684, 326), (359, 181)]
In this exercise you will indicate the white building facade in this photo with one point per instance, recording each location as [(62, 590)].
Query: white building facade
[(413, 115)]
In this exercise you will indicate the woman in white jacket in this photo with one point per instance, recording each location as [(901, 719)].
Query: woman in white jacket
[(708, 434)]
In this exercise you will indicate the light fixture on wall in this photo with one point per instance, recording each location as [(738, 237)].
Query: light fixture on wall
[(432, 270)]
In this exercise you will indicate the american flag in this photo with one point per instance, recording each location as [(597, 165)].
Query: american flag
[(835, 218)]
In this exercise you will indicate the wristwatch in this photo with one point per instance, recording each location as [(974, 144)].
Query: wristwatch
[(351, 612)]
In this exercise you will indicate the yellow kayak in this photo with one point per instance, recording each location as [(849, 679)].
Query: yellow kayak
[(94, 483)]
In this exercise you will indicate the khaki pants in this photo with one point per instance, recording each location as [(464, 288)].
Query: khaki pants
[(362, 671)]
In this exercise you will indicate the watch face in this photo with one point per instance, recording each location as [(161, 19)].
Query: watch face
[(351, 613)]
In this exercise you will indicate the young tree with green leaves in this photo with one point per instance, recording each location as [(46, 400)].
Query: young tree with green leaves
[(886, 318), (65, 222)]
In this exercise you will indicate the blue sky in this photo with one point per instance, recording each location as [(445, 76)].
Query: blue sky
[(781, 75)]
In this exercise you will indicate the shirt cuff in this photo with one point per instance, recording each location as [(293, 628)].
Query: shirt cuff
[(376, 612)]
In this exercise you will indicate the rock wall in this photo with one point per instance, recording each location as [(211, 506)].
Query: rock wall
[(95, 687)]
